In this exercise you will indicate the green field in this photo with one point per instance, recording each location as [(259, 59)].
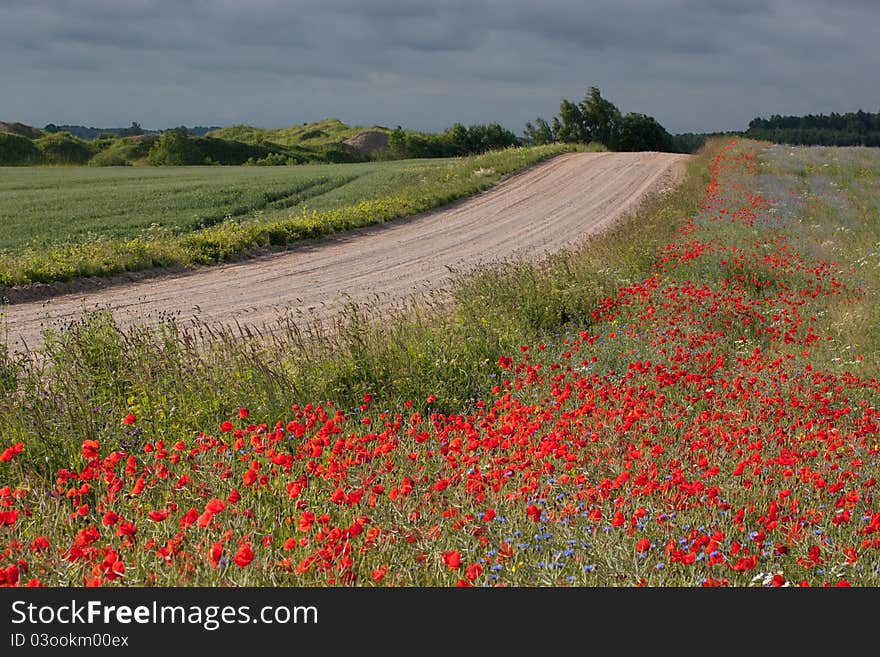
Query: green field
[(46, 206), (60, 223)]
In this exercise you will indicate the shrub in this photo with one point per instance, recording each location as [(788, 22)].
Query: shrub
[(63, 148), (18, 150), (175, 148)]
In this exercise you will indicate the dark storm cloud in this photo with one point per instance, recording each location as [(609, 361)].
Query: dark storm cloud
[(694, 64)]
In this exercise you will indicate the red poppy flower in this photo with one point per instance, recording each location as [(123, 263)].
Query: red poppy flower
[(189, 517), (90, 448), (452, 559), (215, 505), (130, 419), (305, 521), (116, 570), (10, 452), (10, 575), (244, 556), (40, 543), (215, 553), (473, 571), (138, 486)]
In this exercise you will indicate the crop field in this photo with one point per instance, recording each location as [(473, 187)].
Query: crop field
[(60, 223), (690, 399), (45, 206)]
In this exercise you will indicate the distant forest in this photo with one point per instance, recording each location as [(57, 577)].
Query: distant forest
[(850, 129), (134, 130)]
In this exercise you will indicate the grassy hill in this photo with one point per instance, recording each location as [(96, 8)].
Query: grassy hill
[(308, 135), (326, 141), (319, 142)]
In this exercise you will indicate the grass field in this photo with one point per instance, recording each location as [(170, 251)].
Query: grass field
[(61, 223), (689, 400), (45, 206)]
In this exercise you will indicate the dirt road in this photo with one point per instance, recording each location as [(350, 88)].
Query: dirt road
[(542, 209)]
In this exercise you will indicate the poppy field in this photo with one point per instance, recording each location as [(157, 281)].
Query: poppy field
[(705, 415)]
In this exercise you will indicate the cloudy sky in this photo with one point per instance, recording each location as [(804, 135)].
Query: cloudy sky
[(695, 65)]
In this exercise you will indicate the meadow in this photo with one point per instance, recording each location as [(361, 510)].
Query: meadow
[(688, 400), (61, 223)]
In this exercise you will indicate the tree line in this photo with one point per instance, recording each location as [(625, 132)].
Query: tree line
[(134, 130), (452, 142), (850, 129), (596, 119)]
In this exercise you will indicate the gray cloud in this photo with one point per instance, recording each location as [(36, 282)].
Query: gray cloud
[(693, 64)]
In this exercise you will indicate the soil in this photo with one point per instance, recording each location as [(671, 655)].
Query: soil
[(368, 141)]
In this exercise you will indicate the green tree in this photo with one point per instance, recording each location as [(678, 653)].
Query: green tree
[(397, 144), (132, 131), (459, 139), (175, 148), (638, 132), (600, 119), (571, 123), (539, 133)]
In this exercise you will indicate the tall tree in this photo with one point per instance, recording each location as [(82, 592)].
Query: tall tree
[(596, 119), (539, 133), (571, 122), (638, 132), (601, 118)]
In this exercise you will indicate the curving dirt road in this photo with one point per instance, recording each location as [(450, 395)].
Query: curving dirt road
[(546, 208)]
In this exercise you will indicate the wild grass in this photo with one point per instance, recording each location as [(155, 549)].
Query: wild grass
[(837, 192)]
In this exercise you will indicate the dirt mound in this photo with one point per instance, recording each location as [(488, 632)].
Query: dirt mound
[(20, 129), (140, 139), (368, 141)]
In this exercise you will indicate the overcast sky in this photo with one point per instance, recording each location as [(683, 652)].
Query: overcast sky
[(695, 65)]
